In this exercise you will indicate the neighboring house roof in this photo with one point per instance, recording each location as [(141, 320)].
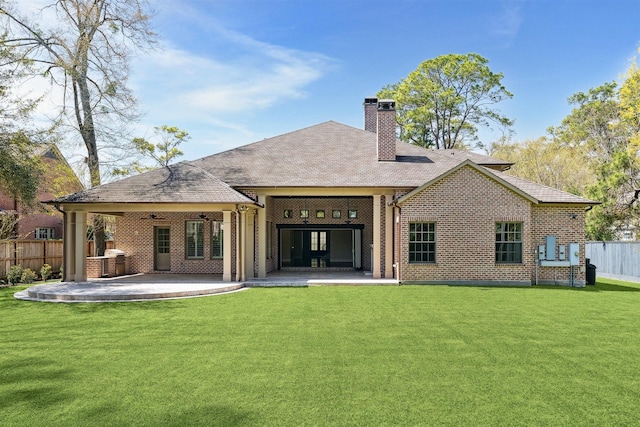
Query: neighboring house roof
[(180, 183), (329, 154)]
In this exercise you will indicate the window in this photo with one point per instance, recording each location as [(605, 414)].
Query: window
[(508, 242), (304, 213), (194, 239), (353, 213), (320, 213), (288, 213), (43, 233), (336, 213), (216, 239), (422, 242)]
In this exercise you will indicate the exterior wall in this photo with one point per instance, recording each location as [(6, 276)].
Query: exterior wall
[(364, 205), (567, 223), (465, 206), (134, 236)]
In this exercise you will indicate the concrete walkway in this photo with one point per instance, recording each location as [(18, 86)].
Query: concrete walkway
[(149, 287)]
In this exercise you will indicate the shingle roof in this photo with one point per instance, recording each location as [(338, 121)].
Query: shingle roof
[(329, 154), (325, 155), (180, 183)]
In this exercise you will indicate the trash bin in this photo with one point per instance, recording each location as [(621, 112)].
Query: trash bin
[(591, 273)]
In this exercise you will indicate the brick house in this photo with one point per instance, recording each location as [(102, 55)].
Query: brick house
[(43, 222), (331, 197)]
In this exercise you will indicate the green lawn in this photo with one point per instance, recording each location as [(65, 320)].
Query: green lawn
[(379, 355)]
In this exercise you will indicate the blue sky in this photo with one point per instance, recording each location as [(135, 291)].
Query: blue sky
[(231, 72)]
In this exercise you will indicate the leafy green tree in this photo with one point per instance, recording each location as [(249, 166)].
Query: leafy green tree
[(446, 99), (546, 162), (86, 51), (163, 152), (605, 128)]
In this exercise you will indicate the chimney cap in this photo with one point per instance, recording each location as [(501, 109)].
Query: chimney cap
[(386, 104), (370, 100)]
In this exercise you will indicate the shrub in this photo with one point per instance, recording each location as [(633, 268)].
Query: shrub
[(28, 276), (15, 274), (46, 272)]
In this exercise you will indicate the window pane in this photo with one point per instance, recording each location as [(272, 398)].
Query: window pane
[(509, 242), (422, 247), (216, 239), (194, 239)]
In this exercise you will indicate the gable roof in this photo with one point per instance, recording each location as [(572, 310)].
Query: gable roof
[(180, 183), (329, 154), (535, 193), (326, 155)]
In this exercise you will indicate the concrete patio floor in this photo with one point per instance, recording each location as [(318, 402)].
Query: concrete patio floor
[(150, 287)]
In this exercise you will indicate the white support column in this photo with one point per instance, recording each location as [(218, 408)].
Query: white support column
[(80, 247), (377, 234), (69, 243), (238, 246), (262, 238), (226, 249), (243, 241), (388, 237), (250, 245)]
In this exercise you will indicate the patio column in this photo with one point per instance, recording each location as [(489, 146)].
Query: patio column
[(377, 237), (388, 237), (68, 259), (262, 238), (242, 226), (75, 248), (250, 245), (226, 242)]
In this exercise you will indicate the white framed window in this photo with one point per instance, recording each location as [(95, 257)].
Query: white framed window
[(217, 239), (45, 233), (194, 240)]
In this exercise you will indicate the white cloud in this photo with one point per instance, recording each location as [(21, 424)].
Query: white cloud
[(507, 22)]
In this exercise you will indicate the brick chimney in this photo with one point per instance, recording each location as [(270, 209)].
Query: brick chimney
[(386, 129), (370, 114)]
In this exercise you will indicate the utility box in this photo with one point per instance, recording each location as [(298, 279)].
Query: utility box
[(550, 247), (562, 253), (541, 253), (574, 254)]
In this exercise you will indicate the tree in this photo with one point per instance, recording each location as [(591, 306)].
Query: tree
[(605, 128), (19, 169), (162, 152), (86, 51), (546, 162), (443, 102)]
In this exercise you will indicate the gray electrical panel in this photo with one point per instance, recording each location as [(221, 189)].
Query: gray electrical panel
[(574, 254), (550, 247), (541, 252), (562, 253)]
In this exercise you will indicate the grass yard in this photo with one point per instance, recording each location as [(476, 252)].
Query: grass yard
[(408, 355)]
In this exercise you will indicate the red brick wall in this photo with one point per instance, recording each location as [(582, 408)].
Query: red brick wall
[(386, 133), (134, 235), (559, 221), (465, 207)]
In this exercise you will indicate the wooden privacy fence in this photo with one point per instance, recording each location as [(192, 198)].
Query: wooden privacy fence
[(34, 254), (616, 260), (31, 254)]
